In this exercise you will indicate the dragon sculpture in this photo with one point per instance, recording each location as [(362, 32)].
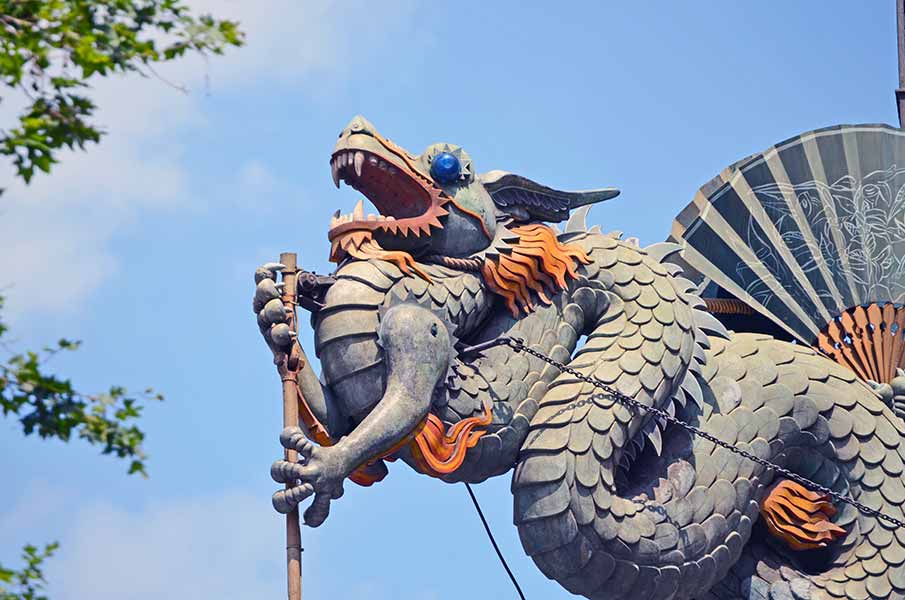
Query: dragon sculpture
[(610, 502)]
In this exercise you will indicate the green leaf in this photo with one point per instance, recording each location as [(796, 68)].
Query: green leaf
[(75, 42), (53, 408)]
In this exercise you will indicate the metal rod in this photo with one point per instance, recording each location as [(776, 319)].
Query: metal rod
[(291, 419), (900, 24), (900, 42)]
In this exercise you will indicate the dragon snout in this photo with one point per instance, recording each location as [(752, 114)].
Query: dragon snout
[(358, 126)]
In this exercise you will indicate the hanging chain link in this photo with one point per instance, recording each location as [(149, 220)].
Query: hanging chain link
[(519, 346)]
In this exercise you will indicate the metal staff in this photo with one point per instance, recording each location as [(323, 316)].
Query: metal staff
[(288, 367)]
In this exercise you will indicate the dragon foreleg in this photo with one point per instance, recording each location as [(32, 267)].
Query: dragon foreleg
[(417, 348)]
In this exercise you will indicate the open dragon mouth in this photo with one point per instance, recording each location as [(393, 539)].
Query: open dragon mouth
[(409, 204)]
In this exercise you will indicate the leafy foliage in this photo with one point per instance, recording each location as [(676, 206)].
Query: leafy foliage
[(50, 49), (52, 408), (29, 581)]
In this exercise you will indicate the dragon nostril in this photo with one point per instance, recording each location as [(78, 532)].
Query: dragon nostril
[(434, 329)]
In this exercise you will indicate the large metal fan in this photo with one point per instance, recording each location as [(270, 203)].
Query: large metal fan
[(811, 234)]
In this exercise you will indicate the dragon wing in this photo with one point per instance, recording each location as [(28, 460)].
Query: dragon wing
[(527, 200)]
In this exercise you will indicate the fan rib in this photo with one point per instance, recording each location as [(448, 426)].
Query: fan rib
[(778, 171), (889, 315), (868, 340), (898, 339), (716, 221), (708, 269), (874, 318), (809, 143), (743, 189)]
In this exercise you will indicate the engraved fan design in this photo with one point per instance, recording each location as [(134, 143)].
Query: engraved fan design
[(811, 235)]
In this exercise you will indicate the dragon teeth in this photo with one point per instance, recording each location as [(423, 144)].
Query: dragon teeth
[(334, 168), (359, 162), (359, 213)]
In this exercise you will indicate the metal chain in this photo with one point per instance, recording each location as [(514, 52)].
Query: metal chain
[(519, 346)]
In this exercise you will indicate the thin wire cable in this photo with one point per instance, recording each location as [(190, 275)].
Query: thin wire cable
[(499, 554)]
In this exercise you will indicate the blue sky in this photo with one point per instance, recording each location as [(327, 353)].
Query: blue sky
[(144, 248)]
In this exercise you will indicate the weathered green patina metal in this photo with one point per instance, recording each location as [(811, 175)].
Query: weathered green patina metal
[(608, 502)]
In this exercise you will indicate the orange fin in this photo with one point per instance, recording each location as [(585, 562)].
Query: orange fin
[(800, 517)]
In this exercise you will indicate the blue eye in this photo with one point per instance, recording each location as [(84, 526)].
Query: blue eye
[(445, 168)]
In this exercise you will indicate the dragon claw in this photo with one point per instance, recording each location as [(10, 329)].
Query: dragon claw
[(317, 472)]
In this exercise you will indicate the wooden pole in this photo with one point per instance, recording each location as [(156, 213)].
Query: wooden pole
[(291, 419)]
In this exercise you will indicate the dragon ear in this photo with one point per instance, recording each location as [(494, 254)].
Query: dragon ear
[(527, 200)]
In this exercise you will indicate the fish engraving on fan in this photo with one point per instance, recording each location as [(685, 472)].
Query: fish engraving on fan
[(849, 229), (607, 501)]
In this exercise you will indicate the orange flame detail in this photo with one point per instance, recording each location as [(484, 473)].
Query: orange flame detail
[(438, 452), (800, 517), (537, 263)]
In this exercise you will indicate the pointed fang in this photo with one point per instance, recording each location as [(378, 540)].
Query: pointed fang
[(359, 162)]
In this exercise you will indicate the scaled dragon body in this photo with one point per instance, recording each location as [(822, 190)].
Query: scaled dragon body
[(608, 502)]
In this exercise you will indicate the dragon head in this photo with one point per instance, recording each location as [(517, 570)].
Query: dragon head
[(432, 203)]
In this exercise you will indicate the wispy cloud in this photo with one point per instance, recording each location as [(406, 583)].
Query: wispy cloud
[(224, 546), (70, 217)]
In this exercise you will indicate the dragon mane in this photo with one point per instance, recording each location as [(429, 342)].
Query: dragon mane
[(533, 260)]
